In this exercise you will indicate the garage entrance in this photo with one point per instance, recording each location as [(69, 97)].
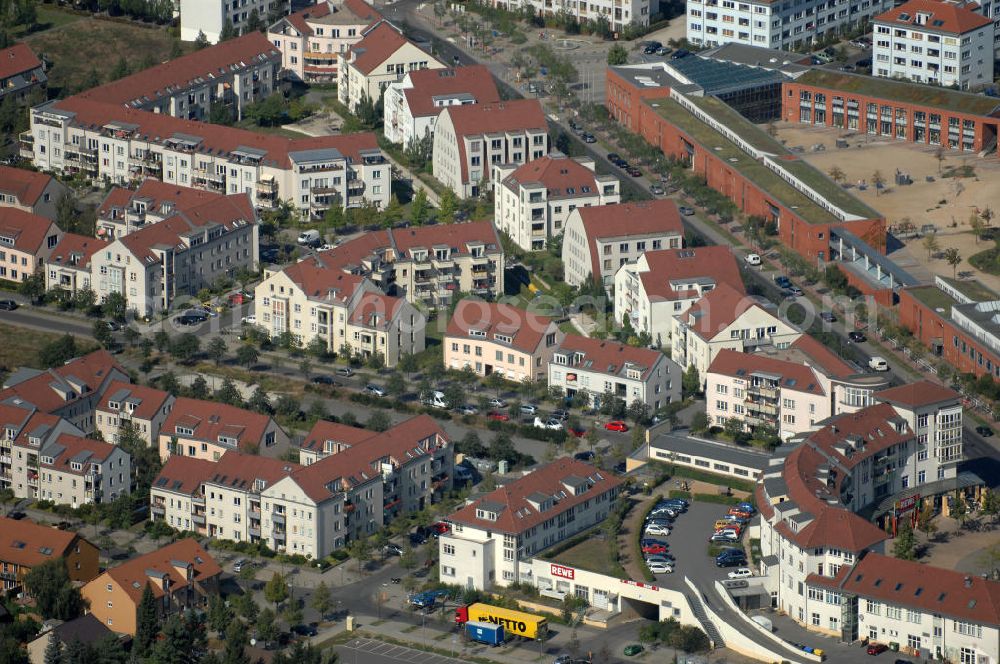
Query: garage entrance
[(636, 608)]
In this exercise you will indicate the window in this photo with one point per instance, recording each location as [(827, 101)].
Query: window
[(449, 549)]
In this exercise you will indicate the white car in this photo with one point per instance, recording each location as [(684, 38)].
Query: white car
[(250, 320), (551, 423), (753, 259), (660, 568), (878, 364), (741, 573), (498, 403), (656, 529)]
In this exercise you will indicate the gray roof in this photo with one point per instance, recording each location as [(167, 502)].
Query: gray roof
[(719, 77), (85, 629), (651, 76), (21, 375), (326, 154), (120, 394), (718, 451), (756, 56)]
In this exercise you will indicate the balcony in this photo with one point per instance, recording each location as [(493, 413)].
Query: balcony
[(278, 518), (199, 519), (254, 531), (157, 510), (198, 500), (349, 508)]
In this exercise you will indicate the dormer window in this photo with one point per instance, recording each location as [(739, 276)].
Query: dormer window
[(49, 460), (477, 333), (114, 405), (503, 338), (10, 434), (76, 465), (184, 431), (227, 440), (486, 515)]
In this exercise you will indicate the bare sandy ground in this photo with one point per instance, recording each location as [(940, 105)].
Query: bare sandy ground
[(947, 203)]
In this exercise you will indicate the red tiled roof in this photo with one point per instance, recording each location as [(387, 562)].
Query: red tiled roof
[(504, 116), (825, 359), (155, 193), (298, 19), (561, 176), (456, 236), (91, 370), (323, 431), (26, 186), (75, 250), (364, 12), (27, 231), (525, 329), (646, 218), (42, 424), (934, 590), (133, 572), (872, 424), (150, 399), (717, 310), (77, 445), (667, 265), (835, 527), (319, 280), (514, 501), (237, 470), (16, 60), (198, 68), (921, 393), (609, 357), (793, 376), (184, 474), (211, 419), (158, 127), (947, 17), (378, 44), (375, 310), (475, 80), (22, 542)]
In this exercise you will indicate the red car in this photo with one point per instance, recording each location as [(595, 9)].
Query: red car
[(654, 548), (616, 425), (877, 648), (579, 433), (440, 527), (499, 417)]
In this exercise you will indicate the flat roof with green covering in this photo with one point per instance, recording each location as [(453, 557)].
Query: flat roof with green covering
[(973, 289), (933, 297), (754, 170), (902, 91)]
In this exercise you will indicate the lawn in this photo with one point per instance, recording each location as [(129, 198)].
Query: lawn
[(988, 261), (592, 554), (20, 347), (103, 43)]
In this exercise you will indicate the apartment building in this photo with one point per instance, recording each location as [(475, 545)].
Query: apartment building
[(85, 630), (781, 26), (218, 499), (26, 242), (664, 283), (604, 369), (181, 576), (382, 57), (493, 536), (725, 318), (71, 470), (930, 41), (140, 407), (412, 105), (233, 74), (69, 392), (111, 143), (20, 72), (532, 202), (30, 191), (25, 431), (25, 544), (311, 40), (189, 250), (600, 240), (469, 140), (124, 211), (489, 337), (788, 391), (69, 266), (210, 17), (618, 15), (207, 430)]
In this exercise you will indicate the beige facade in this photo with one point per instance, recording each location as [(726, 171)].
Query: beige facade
[(29, 191), (143, 408), (26, 242), (207, 430)]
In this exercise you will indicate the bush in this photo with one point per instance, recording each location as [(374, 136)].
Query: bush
[(716, 498)]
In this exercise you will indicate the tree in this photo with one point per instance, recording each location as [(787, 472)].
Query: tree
[(219, 615), (185, 347), (991, 504), (699, 422), (939, 155), (246, 607), (259, 401), (447, 206), (33, 287), (691, 382), (930, 244), (960, 511), (131, 335), (121, 69), (276, 590), (360, 550), (115, 306), (376, 361), (236, 642), (378, 421), (53, 649), (228, 32), (217, 350), (408, 559), (617, 55), (502, 449), (418, 209), (335, 218), (836, 174), (293, 612), (162, 341), (254, 22), (904, 547), (287, 406), (168, 383), (228, 393), (321, 599), (54, 593), (878, 180), (247, 355), (638, 410), (953, 258), (927, 520), (102, 334), (56, 353), (266, 625), (395, 385), (220, 114)]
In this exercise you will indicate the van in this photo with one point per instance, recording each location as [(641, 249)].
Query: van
[(436, 400), (308, 237), (878, 364)]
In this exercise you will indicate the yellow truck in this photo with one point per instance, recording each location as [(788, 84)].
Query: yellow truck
[(517, 623)]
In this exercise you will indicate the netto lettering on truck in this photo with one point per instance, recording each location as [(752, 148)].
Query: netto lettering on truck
[(516, 623)]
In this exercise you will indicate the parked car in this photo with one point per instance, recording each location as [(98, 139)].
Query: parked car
[(660, 558), (660, 568), (561, 414), (498, 403), (680, 53), (731, 558), (529, 409), (782, 281), (249, 320), (721, 538), (325, 380), (8, 305), (878, 364), (584, 456), (633, 172), (632, 649), (239, 565), (467, 409), (795, 290), (577, 432), (587, 137), (828, 316), (984, 431), (440, 528), (740, 573), (616, 425), (496, 417), (392, 549), (685, 210), (375, 390), (190, 319), (657, 529), (857, 337), (550, 423), (753, 259), (16, 515), (876, 648), (664, 50), (656, 190), (743, 508), (346, 372), (417, 538), (304, 630)]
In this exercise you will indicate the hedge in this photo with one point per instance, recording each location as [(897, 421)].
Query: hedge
[(713, 478)]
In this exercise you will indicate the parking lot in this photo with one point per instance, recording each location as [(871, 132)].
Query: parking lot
[(379, 652)]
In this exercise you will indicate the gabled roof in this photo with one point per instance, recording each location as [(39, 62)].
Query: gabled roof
[(209, 420), (561, 176), (677, 267), (790, 375), (85, 629), (155, 194), (505, 116), (335, 432), (824, 358), (525, 329), (537, 497), (320, 281), (133, 574), (376, 310), (76, 250), (26, 186), (916, 395), (234, 470), (628, 221), (148, 400), (874, 429), (934, 16), (608, 357), (81, 376), (17, 59), (28, 544), (934, 590), (185, 474), (67, 449), (24, 231), (201, 67), (476, 81), (717, 310), (837, 527), (458, 237), (377, 46)]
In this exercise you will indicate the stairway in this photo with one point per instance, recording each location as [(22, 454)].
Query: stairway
[(706, 624)]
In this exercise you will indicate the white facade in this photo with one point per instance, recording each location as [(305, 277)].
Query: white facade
[(210, 16), (772, 24), (618, 14)]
